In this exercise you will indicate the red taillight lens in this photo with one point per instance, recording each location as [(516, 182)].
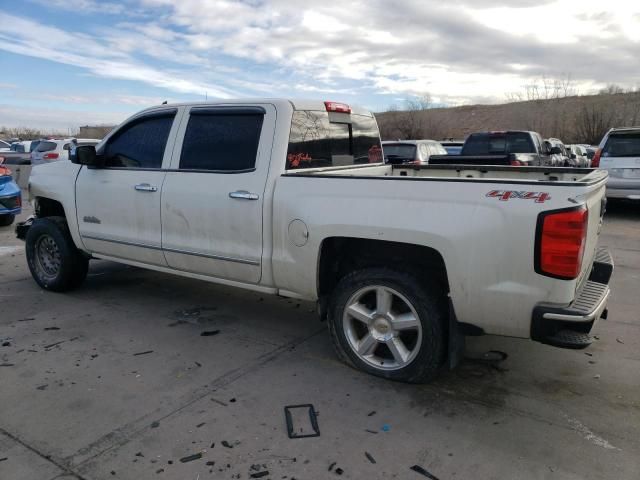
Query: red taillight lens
[(19, 201), (595, 161), (337, 107), (560, 243), (50, 156)]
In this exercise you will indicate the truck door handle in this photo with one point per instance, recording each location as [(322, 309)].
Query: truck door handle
[(145, 187), (244, 195)]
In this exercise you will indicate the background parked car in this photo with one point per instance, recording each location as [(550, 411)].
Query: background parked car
[(513, 147), (10, 198), (578, 156), (619, 154), (54, 150), (5, 146), (558, 152), (411, 151)]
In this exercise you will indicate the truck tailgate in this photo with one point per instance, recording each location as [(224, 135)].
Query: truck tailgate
[(595, 201)]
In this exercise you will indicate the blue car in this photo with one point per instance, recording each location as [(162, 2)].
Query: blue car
[(10, 198)]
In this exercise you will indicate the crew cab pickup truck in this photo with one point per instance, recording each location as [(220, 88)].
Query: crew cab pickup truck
[(279, 197), (518, 148)]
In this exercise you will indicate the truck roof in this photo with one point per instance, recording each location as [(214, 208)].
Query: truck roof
[(297, 104)]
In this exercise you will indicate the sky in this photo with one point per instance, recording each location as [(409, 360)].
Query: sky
[(66, 63)]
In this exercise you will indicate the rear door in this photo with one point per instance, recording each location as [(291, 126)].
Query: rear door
[(213, 196), (118, 206)]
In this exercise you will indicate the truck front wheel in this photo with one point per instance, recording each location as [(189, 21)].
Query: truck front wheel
[(389, 323), (54, 261)]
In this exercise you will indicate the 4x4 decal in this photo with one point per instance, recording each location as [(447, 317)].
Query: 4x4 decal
[(504, 195)]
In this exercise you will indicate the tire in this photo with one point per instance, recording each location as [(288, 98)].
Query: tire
[(54, 261), (421, 330), (6, 220)]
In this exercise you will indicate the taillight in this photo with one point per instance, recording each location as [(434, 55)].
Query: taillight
[(19, 201), (50, 156), (595, 161), (560, 241), (337, 107)]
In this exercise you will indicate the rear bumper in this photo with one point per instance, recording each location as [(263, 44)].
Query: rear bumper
[(554, 325)]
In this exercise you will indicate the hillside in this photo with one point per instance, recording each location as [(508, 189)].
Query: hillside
[(574, 119)]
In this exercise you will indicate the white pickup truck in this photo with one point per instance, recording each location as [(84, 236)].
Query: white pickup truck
[(292, 198)]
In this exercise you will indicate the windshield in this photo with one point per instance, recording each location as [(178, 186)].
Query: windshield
[(498, 143), (46, 146), (622, 145), (399, 150)]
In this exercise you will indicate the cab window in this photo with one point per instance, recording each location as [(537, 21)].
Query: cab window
[(141, 143)]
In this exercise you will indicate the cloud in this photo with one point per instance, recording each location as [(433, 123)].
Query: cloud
[(459, 51)]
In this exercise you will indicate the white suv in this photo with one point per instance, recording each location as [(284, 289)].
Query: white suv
[(53, 150), (619, 154)]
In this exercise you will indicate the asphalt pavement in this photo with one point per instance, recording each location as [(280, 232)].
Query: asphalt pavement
[(142, 375)]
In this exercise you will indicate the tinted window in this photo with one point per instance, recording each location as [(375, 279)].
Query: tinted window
[(622, 145), (498, 143), (315, 141), (140, 144), (34, 145), (221, 141), (46, 146), (399, 152)]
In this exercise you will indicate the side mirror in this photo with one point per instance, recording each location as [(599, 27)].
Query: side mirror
[(555, 151), (86, 155)]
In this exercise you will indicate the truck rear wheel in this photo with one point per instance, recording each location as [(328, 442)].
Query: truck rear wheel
[(389, 323), (54, 261), (6, 220)]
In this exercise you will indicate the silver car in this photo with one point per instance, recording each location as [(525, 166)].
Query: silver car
[(619, 154)]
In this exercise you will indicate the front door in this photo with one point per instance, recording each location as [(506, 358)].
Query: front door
[(212, 199), (118, 206)]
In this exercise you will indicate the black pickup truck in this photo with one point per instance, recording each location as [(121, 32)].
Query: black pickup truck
[(514, 147)]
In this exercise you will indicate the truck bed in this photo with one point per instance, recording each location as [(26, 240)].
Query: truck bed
[(488, 174)]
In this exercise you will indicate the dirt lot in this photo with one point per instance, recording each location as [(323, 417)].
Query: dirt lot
[(116, 381)]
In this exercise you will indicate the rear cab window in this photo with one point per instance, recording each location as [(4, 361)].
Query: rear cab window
[(622, 145), (46, 146), (329, 139), (498, 143)]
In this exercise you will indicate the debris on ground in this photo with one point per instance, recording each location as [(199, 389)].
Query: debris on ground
[(339, 471), (146, 352), (209, 333), (155, 424), (201, 424), (7, 364), (370, 457), (42, 387), (597, 375), (191, 458), (54, 344), (226, 444), (386, 427), (51, 328), (589, 354), (422, 471), (371, 413), (4, 459), (312, 416), (370, 431), (210, 463), (259, 474), (619, 341), (331, 466), (160, 470)]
